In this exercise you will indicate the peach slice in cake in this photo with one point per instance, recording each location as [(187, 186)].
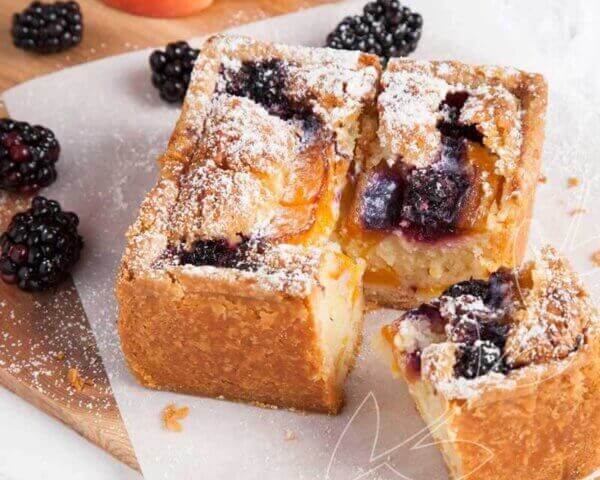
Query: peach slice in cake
[(506, 373), (230, 285), (448, 176)]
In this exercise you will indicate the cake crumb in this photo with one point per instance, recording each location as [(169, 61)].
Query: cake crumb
[(75, 379), (289, 435), (577, 211), (596, 258), (60, 356), (543, 179), (171, 416), (573, 182)]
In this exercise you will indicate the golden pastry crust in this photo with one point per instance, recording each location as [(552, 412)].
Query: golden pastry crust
[(284, 330), (272, 337), (507, 107), (545, 412)]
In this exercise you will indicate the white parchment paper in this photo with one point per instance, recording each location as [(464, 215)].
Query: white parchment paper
[(112, 127)]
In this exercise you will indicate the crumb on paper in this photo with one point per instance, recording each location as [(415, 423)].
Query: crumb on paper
[(596, 258), (171, 416), (577, 211), (289, 435), (573, 182), (543, 178), (75, 379)]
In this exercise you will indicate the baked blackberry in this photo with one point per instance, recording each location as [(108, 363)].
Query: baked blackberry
[(48, 27), (386, 28), (172, 69), (475, 288), (450, 125), (40, 246), (223, 254), (382, 201), (433, 199), (28, 155), (217, 253), (474, 360)]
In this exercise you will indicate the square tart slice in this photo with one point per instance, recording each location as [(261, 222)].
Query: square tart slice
[(273, 129), (506, 373), (448, 178), (229, 285)]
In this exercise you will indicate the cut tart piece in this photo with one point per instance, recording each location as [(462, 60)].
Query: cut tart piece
[(447, 177), (230, 285), (506, 373)]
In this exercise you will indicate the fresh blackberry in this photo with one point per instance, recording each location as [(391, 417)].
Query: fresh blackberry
[(27, 156), (40, 246), (48, 27), (172, 69), (475, 360), (385, 28)]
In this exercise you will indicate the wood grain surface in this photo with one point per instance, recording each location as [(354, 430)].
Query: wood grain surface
[(44, 336)]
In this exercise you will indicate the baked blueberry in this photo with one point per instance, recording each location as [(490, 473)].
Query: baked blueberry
[(28, 155), (40, 246)]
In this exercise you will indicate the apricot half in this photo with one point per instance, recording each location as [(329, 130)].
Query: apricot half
[(160, 8)]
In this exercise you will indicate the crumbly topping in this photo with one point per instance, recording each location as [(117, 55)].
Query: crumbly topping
[(409, 111), (218, 203), (171, 415), (495, 112), (409, 114), (555, 315)]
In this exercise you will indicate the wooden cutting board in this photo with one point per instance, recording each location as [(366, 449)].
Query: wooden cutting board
[(45, 338)]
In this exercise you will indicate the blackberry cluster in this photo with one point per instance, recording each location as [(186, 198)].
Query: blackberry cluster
[(40, 246), (386, 28), (28, 155), (172, 69), (223, 254), (433, 200), (48, 28), (264, 82), (481, 333)]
